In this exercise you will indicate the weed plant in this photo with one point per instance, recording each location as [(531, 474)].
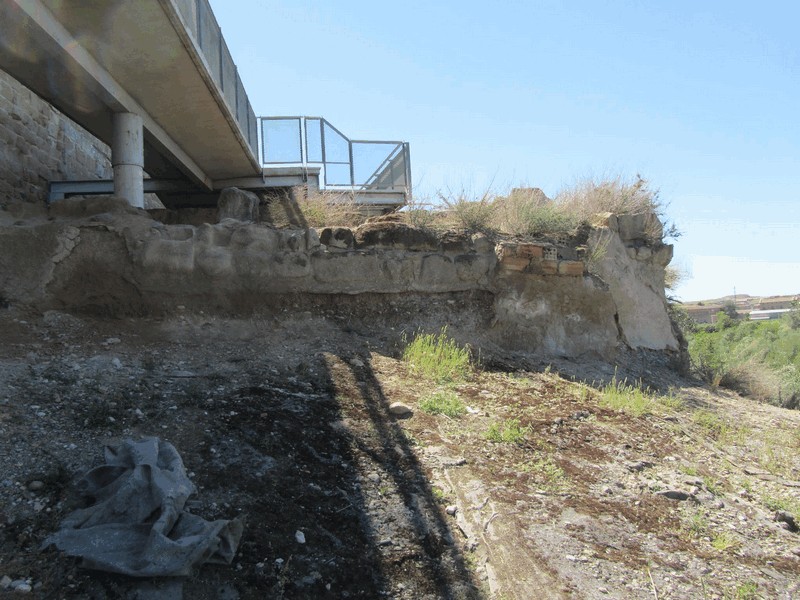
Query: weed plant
[(745, 591), (509, 431), (631, 399), (776, 503), (443, 403), (472, 214), (547, 472), (330, 209), (719, 428), (438, 357), (724, 541)]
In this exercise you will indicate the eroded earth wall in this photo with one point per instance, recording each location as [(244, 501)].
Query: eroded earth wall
[(98, 254), (39, 144)]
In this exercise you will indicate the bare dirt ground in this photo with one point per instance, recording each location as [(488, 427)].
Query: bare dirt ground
[(284, 420)]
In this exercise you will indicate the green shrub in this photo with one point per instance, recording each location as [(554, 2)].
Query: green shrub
[(527, 212), (760, 359), (786, 503), (443, 403), (745, 591), (719, 428), (438, 357)]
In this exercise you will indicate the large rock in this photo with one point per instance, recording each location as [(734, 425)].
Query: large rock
[(237, 204)]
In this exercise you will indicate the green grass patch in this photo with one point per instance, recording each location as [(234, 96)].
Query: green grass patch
[(720, 429), (443, 403), (713, 486), (509, 431), (776, 459), (545, 471), (776, 503), (724, 541), (744, 591), (698, 524), (439, 495), (631, 399), (437, 356)]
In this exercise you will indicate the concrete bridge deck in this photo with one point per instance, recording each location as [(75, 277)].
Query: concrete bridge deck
[(154, 79), (162, 60)]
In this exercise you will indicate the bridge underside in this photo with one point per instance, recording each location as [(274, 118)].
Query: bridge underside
[(94, 58)]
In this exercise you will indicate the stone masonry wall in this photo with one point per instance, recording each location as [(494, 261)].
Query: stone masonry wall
[(39, 144)]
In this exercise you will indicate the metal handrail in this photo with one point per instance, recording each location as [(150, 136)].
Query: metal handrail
[(298, 154)]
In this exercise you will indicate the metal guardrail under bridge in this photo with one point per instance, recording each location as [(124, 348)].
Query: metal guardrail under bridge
[(203, 25), (371, 170)]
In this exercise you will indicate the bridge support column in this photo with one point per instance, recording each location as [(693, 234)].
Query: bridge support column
[(127, 158)]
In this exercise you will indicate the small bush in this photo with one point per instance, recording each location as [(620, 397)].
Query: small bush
[(715, 426), (698, 524), (590, 197), (331, 209), (472, 215), (776, 503), (443, 403), (509, 431), (528, 212), (713, 486), (438, 357)]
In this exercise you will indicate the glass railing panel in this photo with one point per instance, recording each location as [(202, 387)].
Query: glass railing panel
[(337, 174), (335, 145), (376, 164), (314, 140), (281, 140)]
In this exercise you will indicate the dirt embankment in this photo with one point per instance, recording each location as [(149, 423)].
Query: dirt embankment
[(285, 421)]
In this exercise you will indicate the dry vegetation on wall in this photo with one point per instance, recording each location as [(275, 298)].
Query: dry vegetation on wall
[(519, 213), (528, 212)]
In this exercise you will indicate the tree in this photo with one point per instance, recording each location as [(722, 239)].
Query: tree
[(794, 315)]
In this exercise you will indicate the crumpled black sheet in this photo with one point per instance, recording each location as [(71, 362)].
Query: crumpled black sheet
[(135, 523)]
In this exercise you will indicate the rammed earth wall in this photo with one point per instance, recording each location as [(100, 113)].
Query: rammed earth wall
[(99, 254), (39, 144)]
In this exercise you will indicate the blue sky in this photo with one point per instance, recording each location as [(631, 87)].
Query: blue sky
[(700, 98)]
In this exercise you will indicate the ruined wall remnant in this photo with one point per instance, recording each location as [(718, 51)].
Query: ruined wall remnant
[(39, 144), (630, 258), (101, 255)]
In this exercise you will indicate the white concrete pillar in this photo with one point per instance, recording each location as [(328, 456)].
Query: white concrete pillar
[(127, 158)]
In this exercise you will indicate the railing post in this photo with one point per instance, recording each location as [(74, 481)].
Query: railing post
[(324, 157), (407, 156), (221, 69), (199, 17), (352, 167)]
